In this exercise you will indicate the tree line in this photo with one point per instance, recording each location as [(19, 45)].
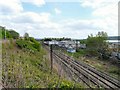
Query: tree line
[(5, 33), (57, 39)]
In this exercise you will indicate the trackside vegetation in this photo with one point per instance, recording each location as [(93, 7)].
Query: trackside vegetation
[(97, 54), (25, 64), (31, 44)]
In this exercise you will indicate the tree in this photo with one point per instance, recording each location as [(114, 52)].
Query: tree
[(82, 41), (26, 36), (97, 45), (14, 34), (5, 33)]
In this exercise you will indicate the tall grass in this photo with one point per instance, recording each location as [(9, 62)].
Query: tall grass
[(24, 69)]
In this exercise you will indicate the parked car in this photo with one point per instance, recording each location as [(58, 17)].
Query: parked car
[(71, 50)]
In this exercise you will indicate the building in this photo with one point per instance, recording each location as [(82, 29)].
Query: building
[(113, 44)]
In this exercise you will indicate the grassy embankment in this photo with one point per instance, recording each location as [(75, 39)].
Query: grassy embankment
[(102, 65), (24, 66)]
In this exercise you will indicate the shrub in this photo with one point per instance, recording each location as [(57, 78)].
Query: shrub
[(14, 34), (35, 43), (25, 44), (37, 46), (31, 44), (32, 39)]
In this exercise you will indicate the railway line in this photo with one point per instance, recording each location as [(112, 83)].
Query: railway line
[(90, 76)]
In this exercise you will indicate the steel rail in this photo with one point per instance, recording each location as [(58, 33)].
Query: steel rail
[(97, 77)]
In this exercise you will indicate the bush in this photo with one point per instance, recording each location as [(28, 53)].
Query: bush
[(30, 44), (96, 44), (14, 34), (26, 44), (37, 46), (8, 35), (32, 39), (35, 43)]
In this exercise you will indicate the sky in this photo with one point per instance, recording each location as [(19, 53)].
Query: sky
[(60, 18)]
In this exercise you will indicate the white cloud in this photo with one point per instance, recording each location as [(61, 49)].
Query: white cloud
[(35, 2), (106, 12), (40, 25), (15, 6), (26, 17), (102, 8), (97, 3), (31, 17), (10, 6), (80, 24), (57, 11)]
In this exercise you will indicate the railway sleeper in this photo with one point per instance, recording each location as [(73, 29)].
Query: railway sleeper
[(92, 79), (95, 71), (83, 79)]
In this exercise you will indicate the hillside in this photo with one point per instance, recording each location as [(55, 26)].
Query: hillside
[(22, 68)]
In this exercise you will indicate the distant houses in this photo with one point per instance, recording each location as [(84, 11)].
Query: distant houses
[(113, 41), (114, 45), (70, 45)]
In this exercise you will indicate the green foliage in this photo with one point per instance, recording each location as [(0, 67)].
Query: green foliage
[(29, 44), (14, 34), (83, 41), (36, 44), (26, 36), (64, 84), (8, 33), (23, 69), (82, 51), (32, 39), (97, 44), (78, 54), (26, 45), (115, 71)]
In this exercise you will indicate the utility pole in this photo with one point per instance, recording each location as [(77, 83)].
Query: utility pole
[(76, 45), (5, 34), (51, 57)]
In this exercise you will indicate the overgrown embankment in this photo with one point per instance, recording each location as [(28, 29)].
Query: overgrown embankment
[(24, 65)]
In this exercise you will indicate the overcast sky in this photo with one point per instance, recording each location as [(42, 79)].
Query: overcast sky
[(60, 18)]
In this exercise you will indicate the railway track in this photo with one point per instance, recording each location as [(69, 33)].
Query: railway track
[(90, 76)]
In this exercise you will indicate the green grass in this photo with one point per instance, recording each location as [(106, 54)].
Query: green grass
[(24, 69), (78, 54)]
